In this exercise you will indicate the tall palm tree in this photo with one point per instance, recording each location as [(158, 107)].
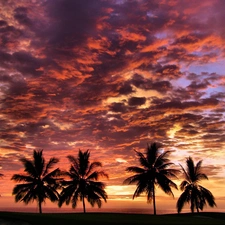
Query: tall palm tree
[(154, 171), (38, 183), (83, 182), (194, 193)]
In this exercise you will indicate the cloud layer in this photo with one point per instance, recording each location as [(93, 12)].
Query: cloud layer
[(112, 76)]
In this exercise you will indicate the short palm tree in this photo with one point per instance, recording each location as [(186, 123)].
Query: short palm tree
[(1, 175), (83, 182), (37, 183), (194, 193), (154, 171)]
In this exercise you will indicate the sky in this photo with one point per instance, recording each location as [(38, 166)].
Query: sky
[(112, 76)]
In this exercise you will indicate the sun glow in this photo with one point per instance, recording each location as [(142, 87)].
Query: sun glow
[(172, 132)]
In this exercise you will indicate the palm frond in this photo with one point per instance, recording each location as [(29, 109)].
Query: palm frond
[(208, 196), (97, 189), (28, 197), (201, 176), (184, 198), (133, 179), (95, 200), (170, 172), (19, 188), (198, 167), (22, 178), (141, 187), (152, 152), (67, 194), (186, 174), (96, 174), (184, 184), (162, 160), (51, 193), (50, 164), (191, 169), (73, 161), (93, 166), (165, 184), (39, 162), (97, 185), (74, 199), (29, 167), (83, 159), (73, 172), (135, 169), (142, 159), (149, 191), (52, 175)]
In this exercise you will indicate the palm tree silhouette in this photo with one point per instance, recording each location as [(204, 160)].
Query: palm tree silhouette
[(1, 175), (154, 172), (38, 183), (83, 182), (194, 193)]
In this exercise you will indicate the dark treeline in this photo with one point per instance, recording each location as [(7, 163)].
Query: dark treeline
[(81, 182)]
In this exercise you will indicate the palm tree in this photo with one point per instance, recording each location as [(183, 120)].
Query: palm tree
[(153, 172), (83, 182), (38, 183), (194, 193), (1, 175)]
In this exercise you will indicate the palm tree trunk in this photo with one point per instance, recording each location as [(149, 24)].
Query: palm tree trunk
[(197, 206), (153, 196), (192, 206), (83, 204), (39, 206)]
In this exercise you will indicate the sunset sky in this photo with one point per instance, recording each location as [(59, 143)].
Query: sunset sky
[(112, 76)]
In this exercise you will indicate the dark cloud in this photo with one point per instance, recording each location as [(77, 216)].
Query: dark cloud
[(26, 64), (72, 21), (136, 101), (126, 89), (20, 14), (3, 23), (187, 39), (169, 71), (118, 107)]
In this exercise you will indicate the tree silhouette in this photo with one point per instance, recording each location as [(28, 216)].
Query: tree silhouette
[(37, 183), (1, 175), (83, 182), (154, 172), (194, 193)]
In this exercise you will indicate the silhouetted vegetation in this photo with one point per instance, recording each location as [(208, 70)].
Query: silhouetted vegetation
[(83, 182), (37, 183), (194, 193), (1, 175), (154, 171)]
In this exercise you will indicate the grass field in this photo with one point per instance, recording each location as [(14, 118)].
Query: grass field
[(111, 218)]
